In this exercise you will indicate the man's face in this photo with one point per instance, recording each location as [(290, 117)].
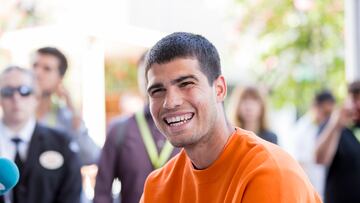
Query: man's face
[(324, 110), (356, 105), (17, 108), (46, 68), (183, 104)]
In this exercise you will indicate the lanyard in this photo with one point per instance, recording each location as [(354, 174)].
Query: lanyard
[(51, 117), (356, 132), (156, 159)]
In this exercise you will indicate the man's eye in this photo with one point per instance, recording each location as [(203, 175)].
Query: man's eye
[(47, 68), (184, 84), (156, 92)]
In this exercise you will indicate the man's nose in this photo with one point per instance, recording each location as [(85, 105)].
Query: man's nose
[(37, 70), (16, 96), (173, 99)]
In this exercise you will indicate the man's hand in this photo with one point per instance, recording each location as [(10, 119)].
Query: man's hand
[(64, 94), (344, 116)]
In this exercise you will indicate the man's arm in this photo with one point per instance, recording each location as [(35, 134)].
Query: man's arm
[(107, 166), (328, 143), (329, 139), (88, 151)]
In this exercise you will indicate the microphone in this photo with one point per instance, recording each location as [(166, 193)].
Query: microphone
[(9, 175)]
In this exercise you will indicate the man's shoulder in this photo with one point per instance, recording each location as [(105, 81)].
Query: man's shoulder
[(51, 135), (55, 140), (119, 120), (119, 127), (268, 164), (261, 153), (252, 145)]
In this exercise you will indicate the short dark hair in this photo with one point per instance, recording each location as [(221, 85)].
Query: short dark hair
[(183, 45), (324, 96), (354, 87), (63, 64)]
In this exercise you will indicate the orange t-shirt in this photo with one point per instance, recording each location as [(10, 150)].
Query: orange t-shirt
[(249, 170)]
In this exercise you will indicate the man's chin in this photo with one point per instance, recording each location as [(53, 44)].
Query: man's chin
[(18, 120), (173, 142), (46, 93), (177, 145), (180, 143)]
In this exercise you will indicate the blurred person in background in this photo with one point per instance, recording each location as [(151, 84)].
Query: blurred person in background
[(56, 108), (338, 148), (248, 111), (49, 167), (306, 133), (133, 148)]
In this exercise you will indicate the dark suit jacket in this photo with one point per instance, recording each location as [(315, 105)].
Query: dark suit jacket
[(40, 185)]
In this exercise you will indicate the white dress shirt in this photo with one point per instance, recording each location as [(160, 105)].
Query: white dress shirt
[(8, 147), (306, 135)]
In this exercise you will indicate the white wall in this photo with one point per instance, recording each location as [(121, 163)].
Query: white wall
[(352, 39)]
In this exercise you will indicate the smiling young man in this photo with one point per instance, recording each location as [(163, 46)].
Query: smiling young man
[(218, 163)]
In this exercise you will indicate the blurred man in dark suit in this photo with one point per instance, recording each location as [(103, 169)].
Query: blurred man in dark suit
[(49, 169)]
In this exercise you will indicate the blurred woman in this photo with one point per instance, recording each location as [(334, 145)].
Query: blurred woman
[(248, 111)]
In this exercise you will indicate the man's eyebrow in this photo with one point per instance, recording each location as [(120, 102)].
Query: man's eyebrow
[(182, 78), (173, 82), (154, 86)]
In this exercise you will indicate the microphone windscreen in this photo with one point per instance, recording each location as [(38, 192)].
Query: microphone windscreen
[(9, 175)]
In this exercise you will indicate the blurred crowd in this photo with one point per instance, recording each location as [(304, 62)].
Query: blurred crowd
[(43, 132)]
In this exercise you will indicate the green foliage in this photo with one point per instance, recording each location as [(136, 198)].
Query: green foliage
[(303, 47), (120, 76), (18, 14)]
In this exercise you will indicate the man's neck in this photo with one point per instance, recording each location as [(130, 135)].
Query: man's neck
[(252, 126), (206, 152), (15, 126), (44, 105)]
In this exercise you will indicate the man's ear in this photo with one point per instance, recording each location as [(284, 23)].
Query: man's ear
[(220, 88)]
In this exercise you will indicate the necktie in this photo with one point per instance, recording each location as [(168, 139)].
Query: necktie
[(20, 165)]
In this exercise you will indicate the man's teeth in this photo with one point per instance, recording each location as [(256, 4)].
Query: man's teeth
[(177, 124), (179, 120)]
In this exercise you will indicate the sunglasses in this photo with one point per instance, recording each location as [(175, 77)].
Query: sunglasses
[(23, 90)]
